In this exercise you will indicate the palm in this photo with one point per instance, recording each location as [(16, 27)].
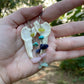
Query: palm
[(14, 54), (8, 41), (13, 57)]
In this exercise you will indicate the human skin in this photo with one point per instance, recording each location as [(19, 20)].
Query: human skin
[(14, 62)]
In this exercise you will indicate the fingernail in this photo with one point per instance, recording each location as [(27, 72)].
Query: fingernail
[(43, 55), (36, 59)]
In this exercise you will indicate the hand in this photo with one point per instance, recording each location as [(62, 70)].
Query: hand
[(14, 62), (69, 47)]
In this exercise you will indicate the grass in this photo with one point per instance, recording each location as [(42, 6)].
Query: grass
[(62, 82), (78, 79)]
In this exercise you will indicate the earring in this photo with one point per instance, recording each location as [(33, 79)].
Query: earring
[(28, 36), (44, 31)]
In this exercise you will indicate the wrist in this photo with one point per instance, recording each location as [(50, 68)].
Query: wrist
[(4, 79)]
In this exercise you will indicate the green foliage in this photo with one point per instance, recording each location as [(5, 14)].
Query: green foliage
[(78, 79), (76, 66), (56, 22), (76, 14), (8, 6), (62, 82)]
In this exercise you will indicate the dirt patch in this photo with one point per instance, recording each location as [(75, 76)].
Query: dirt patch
[(51, 75)]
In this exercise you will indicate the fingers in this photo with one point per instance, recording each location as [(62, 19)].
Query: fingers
[(51, 41), (54, 11), (70, 43), (19, 40), (68, 29), (23, 15), (63, 55)]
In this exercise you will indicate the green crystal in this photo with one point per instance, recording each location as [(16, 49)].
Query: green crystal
[(40, 67), (35, 44), (44, 64)]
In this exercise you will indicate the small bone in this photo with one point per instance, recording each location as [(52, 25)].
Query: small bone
[(46, 33), (25, 34), (29, 47), (47, 28)]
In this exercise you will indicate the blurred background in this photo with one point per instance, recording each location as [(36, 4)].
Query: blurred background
[(64, 72)]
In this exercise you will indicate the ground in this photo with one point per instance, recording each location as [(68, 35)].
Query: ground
[(52, 75)]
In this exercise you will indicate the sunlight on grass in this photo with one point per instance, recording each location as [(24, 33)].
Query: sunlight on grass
[(49, 2)]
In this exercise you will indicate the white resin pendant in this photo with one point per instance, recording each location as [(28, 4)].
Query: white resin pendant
[(25, 35), (47, 30)]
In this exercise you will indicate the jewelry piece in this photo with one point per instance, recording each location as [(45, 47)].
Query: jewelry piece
[(28, 36), (25, 34)]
